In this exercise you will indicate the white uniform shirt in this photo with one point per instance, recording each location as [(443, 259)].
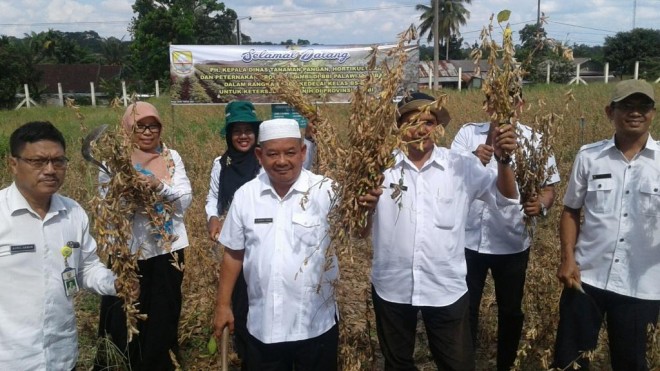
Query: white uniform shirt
[(496, 230), (618, 248), (180, 194), (290, 286), (37, 319), (419, 255), (214, 184)]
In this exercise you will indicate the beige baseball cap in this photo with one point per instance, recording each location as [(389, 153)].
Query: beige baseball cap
[(626, 88)]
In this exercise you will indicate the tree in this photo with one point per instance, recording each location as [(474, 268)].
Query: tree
[(452, 15), (18, 58), (456, 50), (163, 22), (114, 51), (537, 51), (625, 48), (595, 53)]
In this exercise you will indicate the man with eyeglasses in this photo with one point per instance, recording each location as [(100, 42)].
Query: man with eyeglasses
[(46, 256), (610, 262)]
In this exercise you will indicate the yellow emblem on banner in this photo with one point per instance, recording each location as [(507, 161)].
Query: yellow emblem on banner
[(182, 63)]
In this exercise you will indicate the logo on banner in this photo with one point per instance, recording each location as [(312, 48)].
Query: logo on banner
[(182, 63)]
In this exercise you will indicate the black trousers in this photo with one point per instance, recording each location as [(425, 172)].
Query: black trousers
[(580, 320), (508, 273), (447, 329), (239, 302), (315, 354), (160, 299)]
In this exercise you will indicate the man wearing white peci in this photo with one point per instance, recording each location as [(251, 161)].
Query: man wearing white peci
[(277, 231)]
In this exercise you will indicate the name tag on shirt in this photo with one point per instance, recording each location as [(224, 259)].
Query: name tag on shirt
[(17, 249), (601, 176), (263, 220)]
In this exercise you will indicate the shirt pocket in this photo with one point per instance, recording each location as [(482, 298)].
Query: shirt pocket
[(444, 215), (650, 198), (307, 229), (600, 195)]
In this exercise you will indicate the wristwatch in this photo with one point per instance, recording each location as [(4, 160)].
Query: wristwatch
[(504, 160)]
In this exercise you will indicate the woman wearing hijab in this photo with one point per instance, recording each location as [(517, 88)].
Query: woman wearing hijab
[(160, 271), (237, 166)]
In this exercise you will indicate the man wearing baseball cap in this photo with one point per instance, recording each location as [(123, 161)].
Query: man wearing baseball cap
[(277, 231), (610, 262)]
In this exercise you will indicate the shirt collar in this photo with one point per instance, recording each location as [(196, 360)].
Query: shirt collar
[(438, 156), (651, 144), (17, 202), (483, 128), (301, 184)]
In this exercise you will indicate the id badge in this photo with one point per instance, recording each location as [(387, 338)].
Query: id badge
[(70, 282)]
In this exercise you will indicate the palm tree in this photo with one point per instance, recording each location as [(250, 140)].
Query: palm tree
[(452, 14)]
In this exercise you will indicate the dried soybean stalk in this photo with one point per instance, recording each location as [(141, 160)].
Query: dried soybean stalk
[(503, 89)]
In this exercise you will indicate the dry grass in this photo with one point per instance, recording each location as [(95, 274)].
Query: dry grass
[(193, 132)]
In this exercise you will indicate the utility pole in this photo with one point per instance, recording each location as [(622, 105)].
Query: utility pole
[(436, 45), (538, 15), (238, 28), (634, 12)]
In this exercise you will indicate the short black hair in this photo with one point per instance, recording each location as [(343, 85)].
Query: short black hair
[(34, 131)]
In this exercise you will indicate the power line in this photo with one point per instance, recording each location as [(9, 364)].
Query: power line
[(587, 28), (322, 12)]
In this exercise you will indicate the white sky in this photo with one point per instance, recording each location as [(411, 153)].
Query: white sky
[(341, 21)]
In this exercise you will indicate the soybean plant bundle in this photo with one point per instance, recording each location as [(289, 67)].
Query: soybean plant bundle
[(503, 82), (503, 89), (356, 163), (125, 196)]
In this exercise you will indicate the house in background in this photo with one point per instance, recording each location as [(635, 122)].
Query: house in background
[(448, 73), (75, 79)]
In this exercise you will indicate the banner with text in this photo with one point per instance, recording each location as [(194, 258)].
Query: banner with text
[(212, 74)]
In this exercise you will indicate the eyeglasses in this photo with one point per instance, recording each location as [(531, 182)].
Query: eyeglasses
[(154, 128), (59, 163), (642, 108)]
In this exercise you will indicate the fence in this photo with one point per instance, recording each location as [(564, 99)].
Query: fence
[(29, 102)]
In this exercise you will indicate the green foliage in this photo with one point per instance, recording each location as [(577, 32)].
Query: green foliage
[(17, 58), (503, 16), (625, 48), (595, 53), (111, 87), (114, 51), (58, 47), (456, 50), (452, 13), (164, 22), (537, 51)]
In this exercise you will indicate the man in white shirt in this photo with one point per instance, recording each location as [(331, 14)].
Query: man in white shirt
[(613, 256), (419, 238), (277, 231), (497, 239), (46, 256)]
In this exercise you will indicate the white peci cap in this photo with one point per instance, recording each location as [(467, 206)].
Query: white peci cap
[(279, 129)]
